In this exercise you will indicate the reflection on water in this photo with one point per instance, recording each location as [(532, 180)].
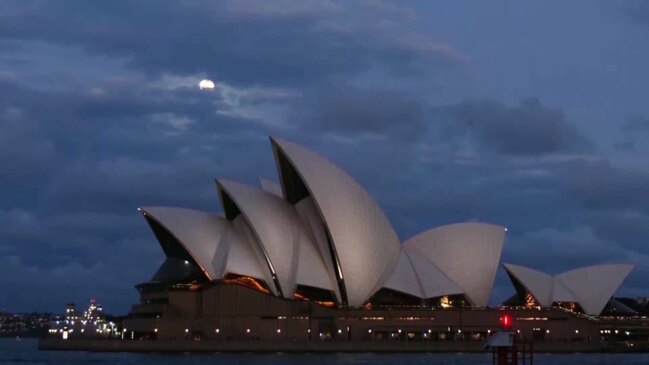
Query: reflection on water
[(25, 352)]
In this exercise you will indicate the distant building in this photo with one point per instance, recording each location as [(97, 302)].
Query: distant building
[(90, 323), (24, 324)]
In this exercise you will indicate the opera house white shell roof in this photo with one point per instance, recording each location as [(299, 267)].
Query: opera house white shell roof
[(201, 235), (365, 245), (319, 229), (467, 253), (591, 286)]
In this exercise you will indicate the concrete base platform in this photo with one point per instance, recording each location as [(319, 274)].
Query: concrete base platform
[(107, 345)]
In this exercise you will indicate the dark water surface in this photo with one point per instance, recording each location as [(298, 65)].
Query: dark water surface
[(25, 352)]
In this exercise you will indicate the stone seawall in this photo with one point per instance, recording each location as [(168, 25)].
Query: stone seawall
[(106, 345)]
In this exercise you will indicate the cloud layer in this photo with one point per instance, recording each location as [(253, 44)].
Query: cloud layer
[(100, 114)]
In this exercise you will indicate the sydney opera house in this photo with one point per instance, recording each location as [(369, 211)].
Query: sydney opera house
[(314, 258)]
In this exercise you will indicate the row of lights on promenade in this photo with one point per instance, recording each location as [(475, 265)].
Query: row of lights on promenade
[(248, 330), (615, 331), (399, 331), (507, 322), (340, 331)]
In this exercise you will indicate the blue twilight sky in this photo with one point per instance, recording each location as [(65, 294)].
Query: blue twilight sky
[(529, 114)]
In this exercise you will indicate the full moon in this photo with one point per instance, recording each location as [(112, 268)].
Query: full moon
[(206, 84)]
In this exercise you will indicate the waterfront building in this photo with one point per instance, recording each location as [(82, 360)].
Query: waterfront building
[(314, 258), (92, 323)]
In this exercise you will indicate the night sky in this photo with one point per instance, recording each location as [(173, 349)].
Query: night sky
[(529, 114)]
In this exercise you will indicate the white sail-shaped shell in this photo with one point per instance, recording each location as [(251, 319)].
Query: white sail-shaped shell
[(593, 286), (200, 234), (365, 246), (539, 284), (468, 253)]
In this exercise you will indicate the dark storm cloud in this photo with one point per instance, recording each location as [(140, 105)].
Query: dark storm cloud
[(636, 123), (352, 112), (638, 10), (524, 196), (598, 186), (624, 145), (614, 202), (529, 128), (629, 229), (9, 46), (249, 42)]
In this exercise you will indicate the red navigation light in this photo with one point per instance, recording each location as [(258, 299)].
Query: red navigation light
[(506, 321)]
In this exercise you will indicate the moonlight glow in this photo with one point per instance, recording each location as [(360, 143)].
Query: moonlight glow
[(206, 84)]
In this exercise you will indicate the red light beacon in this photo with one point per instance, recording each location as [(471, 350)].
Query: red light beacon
[(507, 347), (506, 321)]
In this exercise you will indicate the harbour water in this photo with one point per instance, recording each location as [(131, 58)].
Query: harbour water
[(25, 352)]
